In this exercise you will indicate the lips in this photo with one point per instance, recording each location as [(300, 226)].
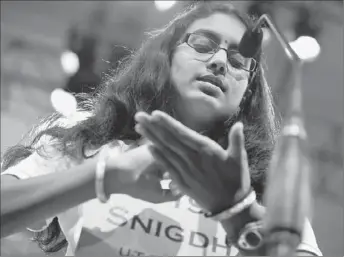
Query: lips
[(213, 80)]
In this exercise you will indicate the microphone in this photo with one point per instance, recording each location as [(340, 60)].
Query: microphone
[(287, 196), (251, 42)]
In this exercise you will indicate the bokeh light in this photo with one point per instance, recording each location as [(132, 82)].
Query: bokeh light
[(164, 5), (306, 47), (70, 62), (63, 102)]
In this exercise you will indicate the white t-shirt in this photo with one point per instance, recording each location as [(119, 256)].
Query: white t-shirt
[(126, 226)]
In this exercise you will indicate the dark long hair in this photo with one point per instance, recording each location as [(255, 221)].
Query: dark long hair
[(142, 83)]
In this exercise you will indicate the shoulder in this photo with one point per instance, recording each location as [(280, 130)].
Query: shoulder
[(48, 158)]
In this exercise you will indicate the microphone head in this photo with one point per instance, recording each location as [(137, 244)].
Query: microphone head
[(251, 42)]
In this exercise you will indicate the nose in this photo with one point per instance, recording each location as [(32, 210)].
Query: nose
[(218, 62)]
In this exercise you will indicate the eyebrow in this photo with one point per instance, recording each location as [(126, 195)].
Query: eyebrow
[(215, 36)]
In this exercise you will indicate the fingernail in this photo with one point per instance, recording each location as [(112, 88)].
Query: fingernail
[(142, 116), (166, 175), (176, 192), (173, 186), (155, 112), (138, 128), (155, 116), (137, 116)]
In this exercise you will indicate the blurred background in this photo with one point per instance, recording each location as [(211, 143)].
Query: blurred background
[(51, 47)]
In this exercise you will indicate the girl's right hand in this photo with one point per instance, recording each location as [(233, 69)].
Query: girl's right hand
[(136, 173)]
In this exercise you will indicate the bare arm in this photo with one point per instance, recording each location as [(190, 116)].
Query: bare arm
[(26, 201)]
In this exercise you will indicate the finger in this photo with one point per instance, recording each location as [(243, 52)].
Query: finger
[(160, 132), (171, 196), (155, 171), (175, 190), (237, 150), (166, 175), (180, 131), (236, 140), (175, 169), (184, 146), (177, 151), (142, 117), (161, 138)]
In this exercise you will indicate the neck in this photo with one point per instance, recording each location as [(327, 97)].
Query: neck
[(198, 123), (210, 125), (193, 122), (214, 130)]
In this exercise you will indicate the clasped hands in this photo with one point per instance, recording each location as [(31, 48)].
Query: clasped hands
[(214, 177)]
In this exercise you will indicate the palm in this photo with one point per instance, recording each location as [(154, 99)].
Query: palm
[(216, 178)]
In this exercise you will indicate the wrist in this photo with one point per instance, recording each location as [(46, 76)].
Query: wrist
[(116, 179), (235, 224), (121, 175)]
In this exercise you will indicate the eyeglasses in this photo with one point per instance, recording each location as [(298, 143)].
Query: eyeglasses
[(204, 45)]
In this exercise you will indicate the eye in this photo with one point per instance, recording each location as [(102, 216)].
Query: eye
[(236, 60), (201, 44)]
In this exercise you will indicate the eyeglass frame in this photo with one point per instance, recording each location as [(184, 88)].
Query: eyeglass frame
[(186, 39)]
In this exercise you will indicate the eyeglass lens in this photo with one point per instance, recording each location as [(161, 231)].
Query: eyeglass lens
[(205, 45)]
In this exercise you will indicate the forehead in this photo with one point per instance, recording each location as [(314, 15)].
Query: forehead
[(228, 27)]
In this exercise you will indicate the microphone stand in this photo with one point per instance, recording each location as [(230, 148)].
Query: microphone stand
[(288, 195)]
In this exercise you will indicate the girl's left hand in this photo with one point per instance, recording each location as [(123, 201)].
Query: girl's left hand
[(214, 177)]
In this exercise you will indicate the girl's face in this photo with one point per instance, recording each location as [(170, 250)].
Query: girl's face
[(210, 84)]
